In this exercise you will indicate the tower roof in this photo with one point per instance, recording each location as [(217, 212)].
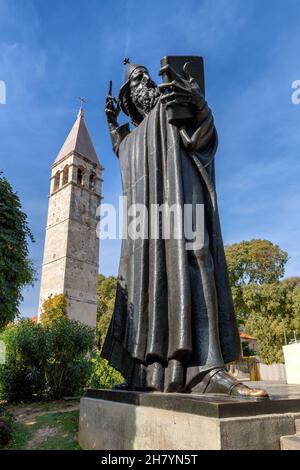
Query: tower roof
[(79, 140)]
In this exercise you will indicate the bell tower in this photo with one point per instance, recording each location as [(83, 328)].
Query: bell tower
[(71, 251)]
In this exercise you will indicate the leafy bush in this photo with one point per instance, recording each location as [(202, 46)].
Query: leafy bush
[(6, 427), (103, 375), (45, 360), (22, 375), (106, 300), (68, 366), (269, 331)]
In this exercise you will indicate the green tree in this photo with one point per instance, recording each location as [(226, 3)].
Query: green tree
[(106, 299), (252, 264), (16, 269), (293, 303), (273, 316), (103, 375), (270, 333), (255, 262), (54, 308), (267, 307)]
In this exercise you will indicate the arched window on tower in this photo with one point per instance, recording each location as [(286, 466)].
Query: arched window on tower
[(80, 176), (66, 174), (56, 181), (92, 182)]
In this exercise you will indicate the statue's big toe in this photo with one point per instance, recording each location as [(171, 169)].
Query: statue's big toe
[(241, 390)]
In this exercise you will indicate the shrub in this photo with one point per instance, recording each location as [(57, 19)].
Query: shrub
[(103, 375), (106, 300), (68, 365), (48, 360), (6, 427), (22, 374)]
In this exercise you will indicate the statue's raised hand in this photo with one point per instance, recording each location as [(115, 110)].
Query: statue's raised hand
[(181, 90), (112, 107)]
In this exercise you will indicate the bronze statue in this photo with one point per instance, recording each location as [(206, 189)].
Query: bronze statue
[(173, 328)]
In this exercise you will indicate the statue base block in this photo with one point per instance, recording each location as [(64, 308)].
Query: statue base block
[(125, 420)]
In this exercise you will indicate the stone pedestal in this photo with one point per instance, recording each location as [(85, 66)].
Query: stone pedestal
[(292, 363), (119, 420)]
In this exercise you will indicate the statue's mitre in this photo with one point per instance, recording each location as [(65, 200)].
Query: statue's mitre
[(130, 68)]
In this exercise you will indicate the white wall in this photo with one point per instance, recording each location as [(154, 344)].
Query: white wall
[(273, 372)]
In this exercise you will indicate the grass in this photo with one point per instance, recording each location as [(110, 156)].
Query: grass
[(50, 431)]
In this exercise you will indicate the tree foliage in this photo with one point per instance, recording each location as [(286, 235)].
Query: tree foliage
[(22, 377), (106, 299), (270, 332), (6, 426), (255, 268), (266, 306), (16, 269), (45, 360), (54, 308), (103, 375), (68, 366), (255, 262)]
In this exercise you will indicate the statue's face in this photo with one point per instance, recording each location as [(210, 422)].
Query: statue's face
[(143, 91), (139, 78)]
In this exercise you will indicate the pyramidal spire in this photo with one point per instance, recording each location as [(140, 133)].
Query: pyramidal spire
[(79, 141), (80, 112)]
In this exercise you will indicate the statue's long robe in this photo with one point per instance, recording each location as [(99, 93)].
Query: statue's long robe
[(173, 317)]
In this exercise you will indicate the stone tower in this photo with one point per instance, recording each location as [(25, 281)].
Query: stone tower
[(71, 252)]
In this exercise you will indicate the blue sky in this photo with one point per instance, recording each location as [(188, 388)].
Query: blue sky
[(51, 52)]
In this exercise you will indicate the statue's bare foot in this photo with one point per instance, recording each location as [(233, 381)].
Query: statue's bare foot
[(220, 381)]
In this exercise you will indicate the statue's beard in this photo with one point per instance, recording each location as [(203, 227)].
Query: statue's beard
[(145, 97)]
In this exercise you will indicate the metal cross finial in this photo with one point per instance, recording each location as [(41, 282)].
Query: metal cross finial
[(126, 61), (82, 100)]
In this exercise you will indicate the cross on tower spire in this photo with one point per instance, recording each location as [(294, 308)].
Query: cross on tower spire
[(82, 100)]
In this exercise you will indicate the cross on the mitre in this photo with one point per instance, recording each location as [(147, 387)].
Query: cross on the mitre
[(126, 61)]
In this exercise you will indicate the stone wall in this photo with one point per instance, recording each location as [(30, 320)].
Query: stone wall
[(71, 253)]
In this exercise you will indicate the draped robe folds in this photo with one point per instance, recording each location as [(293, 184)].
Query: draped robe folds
[(173, 318)]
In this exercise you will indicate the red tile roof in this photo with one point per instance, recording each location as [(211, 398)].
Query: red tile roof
[(245, 336)]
